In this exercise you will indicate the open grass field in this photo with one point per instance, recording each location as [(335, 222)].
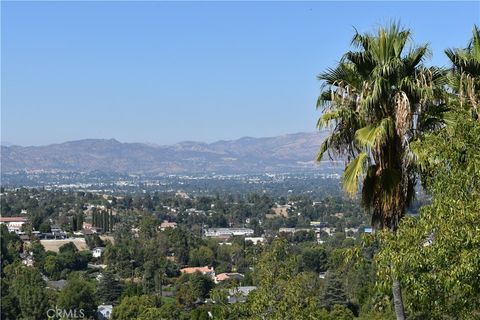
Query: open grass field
[(54, 245)]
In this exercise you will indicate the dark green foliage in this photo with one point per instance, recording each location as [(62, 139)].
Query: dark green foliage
[(131, 289), (436, 255), (333, 293), (340, 312), (11, 246), (39, 254), (77, 221), (45, 227), (68, 259), (202, 256), (103, 220), (109, 289), (78, 295), (94, 241), (68, 248), (135, 306), (9, 304), (193, 288), (153, 275), (314, 259), (26, 289)]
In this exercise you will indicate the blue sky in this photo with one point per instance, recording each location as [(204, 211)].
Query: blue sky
[(164, 72)]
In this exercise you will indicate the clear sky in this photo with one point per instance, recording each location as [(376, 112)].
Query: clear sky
[(164, 72)]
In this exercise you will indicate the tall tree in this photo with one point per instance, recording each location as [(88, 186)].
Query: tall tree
[(378, 99), (333, 293), (109, 289)]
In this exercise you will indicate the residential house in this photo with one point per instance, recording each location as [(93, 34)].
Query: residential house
[(14, 224), (203, 270), (228, 276), (97, 252), (166, 224), (293, 230)]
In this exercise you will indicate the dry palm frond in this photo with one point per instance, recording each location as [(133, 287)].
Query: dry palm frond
[(403, 114)]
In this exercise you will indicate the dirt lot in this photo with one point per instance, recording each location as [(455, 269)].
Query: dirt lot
[(107, 238), (54, 245)]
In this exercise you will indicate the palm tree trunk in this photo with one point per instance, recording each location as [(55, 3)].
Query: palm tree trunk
[(397, 299)]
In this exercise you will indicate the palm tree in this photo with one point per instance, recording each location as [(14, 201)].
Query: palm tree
[(465, 72), (377, 100)]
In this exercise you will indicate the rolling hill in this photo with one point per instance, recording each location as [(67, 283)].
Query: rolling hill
[(290, 152)]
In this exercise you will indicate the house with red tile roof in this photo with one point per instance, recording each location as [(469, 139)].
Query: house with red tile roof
[(203, 270)]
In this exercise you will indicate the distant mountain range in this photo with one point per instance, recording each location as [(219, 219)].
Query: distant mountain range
[(290, 152)]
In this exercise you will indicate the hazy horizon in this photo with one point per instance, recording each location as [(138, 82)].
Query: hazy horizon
[(12, 143)]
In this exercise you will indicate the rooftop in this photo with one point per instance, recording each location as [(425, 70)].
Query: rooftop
[(13, 219)]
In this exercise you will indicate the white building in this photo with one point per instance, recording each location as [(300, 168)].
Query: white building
[(14, 224), (228, 232), (293, 230), (97, 252)]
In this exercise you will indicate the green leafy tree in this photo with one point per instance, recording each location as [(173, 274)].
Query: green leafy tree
[(51, 266), (193, 287), (378, 99), (11, 245), (437, 254), (340, 312), (78, 295), (133, 307), (203, 256), (39, 254), (282, 292), (27, 289), (10, 309), (314, 259), (45, 227), (170, 311)]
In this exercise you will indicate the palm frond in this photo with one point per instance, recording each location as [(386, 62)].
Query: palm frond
[(323, 148), (355, 169), (414, 57), (368, 188), (327, 118), (375, 134)]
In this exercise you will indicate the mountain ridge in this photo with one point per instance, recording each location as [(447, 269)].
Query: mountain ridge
[(247, 154)]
